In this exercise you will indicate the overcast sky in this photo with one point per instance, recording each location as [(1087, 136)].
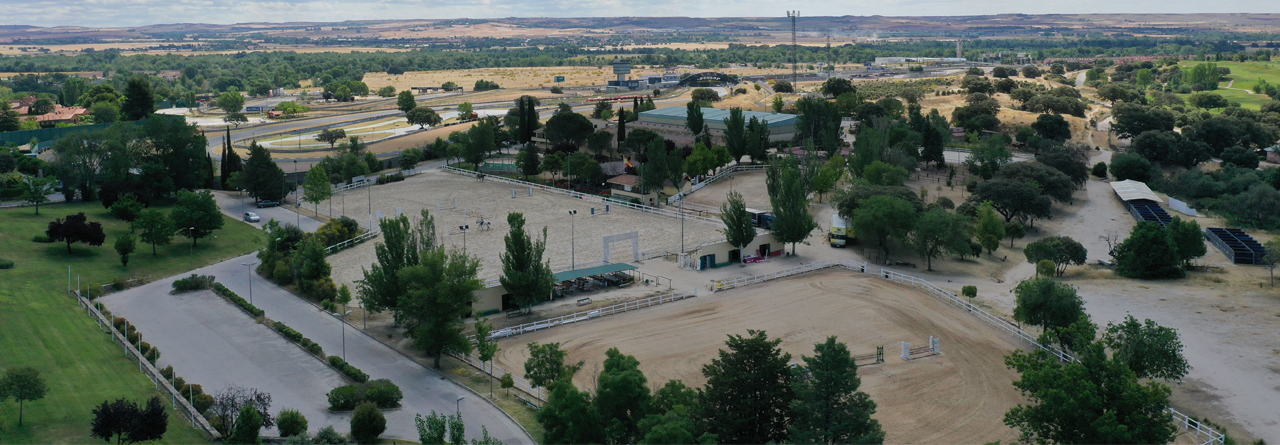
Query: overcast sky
[(112, 13)]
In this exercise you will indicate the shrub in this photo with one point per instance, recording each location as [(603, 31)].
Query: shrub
[(223, 292), (192, 283), (1129, 166), (328, 305), (387, 179), (314, 348), (281, 274), (134, 336), (345, 397), (557, 90), (346, 368), (1046, 268), (1100, 170), (152, 355), (167, 372), (290, 422), (324, 289), (288, 332), (383, 393), (119, 284), (248, 425), (202, 402), (367, 423), (6, 263), (41, 239), (969, 291), (328, 435)]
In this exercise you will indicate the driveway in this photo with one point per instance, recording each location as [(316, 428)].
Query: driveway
[(424, 389), (212, 343), (234, 205)]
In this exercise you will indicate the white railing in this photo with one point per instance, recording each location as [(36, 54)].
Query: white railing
[(1202, 431), (497, 372), (716, 177), (678, 248), (593, 313), (695, 207), (353, 185), (1182, 421), (589, 197), (353, 241), (178, 400), (856, 266)]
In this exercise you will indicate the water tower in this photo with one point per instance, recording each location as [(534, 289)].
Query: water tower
[(622, 68)]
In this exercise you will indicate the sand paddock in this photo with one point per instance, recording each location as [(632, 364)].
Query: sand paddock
[(543, 209), (750, 184), (959, 396)]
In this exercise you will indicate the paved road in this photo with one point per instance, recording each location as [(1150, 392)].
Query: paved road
[(234, 205), (212, 343), (424, 390)]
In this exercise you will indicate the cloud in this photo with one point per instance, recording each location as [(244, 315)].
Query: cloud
[(123, 13)]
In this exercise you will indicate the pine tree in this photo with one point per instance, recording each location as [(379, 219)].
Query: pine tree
[(524, 272), (828, 406), (738, 228), (792, 221)]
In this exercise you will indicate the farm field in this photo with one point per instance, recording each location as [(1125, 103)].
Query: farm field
[(579, 240), (959, 396), (48, 331)]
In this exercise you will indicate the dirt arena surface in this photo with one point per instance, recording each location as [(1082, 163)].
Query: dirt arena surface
[(541, 210), (750, 184), (959, 396)]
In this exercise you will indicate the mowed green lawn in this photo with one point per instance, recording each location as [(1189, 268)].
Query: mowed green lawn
[(41, 327), (1246, 75)]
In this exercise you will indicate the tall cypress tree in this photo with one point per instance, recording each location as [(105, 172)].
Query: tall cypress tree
[(622, 126)]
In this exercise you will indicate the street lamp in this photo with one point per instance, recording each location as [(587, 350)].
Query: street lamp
[(191, 250), (458, 408), (573, 260), (250, 270), (464, 229), (297, 198), (342, 319), (344, 203)]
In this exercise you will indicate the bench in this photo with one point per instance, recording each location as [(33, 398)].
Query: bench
[(584, 301), (528, 402)]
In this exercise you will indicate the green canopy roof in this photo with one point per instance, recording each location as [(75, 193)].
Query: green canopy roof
[(598, 270)]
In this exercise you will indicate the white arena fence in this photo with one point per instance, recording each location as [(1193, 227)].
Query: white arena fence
[(563, 320), (1206, 434), (718, 176), (175, 398), (678, 248), (589, 197), (352, 186), (351, 242)]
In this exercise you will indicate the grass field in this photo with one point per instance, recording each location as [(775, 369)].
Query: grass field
[(1246, 75), (45, 329)]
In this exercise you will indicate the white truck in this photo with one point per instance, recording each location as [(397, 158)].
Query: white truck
[(839, 234)]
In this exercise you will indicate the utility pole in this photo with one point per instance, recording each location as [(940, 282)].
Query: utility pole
[(795, 61)]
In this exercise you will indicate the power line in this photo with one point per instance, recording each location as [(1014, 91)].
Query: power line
[(795, 61)]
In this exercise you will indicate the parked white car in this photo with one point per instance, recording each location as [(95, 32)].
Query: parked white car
[(251, 217)]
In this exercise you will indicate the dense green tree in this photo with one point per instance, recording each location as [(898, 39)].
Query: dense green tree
[(569, 127), (290, 422), (1207, 100), (524, 271), (1094, 400), (1052, 126), (126, 208), (735, 134), (757, 139), (229, 102), (1188, 239), (828, 407), (423, 117), (1130, 166), (316, 188), (568, 417), (1013, 199), (481, 142), (75, 229), (154, 228), (882, 173), (1064, 162), (9, 120), (1148, 349), (139, 101), (739, 231), (1014, 230), (1171, 148), (248, 425), (1048, 180), (381, 287), (312, 267), (405, 101), (1148, 253), (330, 136), (124, 247), (792, 222), (1132, 119), (127, 423), (1062, 250), (196, 215), (693, 118), (748, 395), (1053, 306), (1240, 157), (990, 230), (622, 397), (937, 231), (367, 423), (34, 190), (837, 86), (527, 161), (546, 364), (265, 178), (439, 293), (882, 218), (22, 384)]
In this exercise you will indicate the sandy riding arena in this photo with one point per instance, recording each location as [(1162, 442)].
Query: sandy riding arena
[(492, 201), (959, 396)]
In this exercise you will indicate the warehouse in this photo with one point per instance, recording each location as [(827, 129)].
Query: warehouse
[(782, 127)]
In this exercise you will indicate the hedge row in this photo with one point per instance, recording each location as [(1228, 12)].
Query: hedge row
[(192, 392), (131, 333), (381, 392), (346, 368), (222, 291), (192, 283), (296, 337)]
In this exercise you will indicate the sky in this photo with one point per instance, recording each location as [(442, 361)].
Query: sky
[(123, 13)]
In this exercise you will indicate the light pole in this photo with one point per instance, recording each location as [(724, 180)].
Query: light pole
[(191, 250), (342, 318), (682, 226), (344, 203), (573, 246), (464, 229), (459, 404), (297, 199), (369, 196), (250, 271)]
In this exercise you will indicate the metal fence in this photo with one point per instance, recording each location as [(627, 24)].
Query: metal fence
[(351, 242), (176, 399), (589, 197), (716, 177), (1207, 435), (525, 385)]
